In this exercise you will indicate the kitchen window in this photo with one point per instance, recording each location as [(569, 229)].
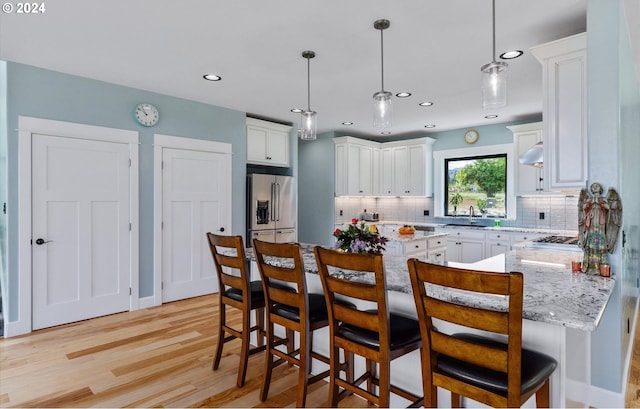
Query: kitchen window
[(476, 181)]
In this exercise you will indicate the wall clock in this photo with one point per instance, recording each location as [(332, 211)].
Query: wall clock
[(147, 114), (471, 136)]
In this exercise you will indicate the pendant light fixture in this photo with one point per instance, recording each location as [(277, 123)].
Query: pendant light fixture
[(382, 98), (494, 77), (309, 118)]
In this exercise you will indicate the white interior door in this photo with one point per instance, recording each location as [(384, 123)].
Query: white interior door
[(196, 199), (80, 229)]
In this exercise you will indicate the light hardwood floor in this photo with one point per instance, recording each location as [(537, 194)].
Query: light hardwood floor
[(157, 357)]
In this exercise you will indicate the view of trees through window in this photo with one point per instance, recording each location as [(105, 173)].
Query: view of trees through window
[(478, 181)]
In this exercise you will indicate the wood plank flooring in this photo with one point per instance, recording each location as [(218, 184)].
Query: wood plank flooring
[(157, 357)]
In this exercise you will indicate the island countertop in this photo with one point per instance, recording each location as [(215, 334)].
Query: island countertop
[(552, 293)]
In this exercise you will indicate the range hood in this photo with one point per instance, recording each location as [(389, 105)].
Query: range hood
[(533, 156)]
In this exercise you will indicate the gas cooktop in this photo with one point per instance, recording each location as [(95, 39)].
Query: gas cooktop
[(558, 240), (561, 243)]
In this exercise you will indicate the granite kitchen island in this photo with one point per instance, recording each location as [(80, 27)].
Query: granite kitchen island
[(560, 309)]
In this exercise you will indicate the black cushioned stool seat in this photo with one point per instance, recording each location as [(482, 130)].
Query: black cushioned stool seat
[(536, 367), (402, 331)]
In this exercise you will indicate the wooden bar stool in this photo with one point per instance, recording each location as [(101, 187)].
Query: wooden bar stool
[(291, 307), (499, 374), (236, 290), (375, 334)]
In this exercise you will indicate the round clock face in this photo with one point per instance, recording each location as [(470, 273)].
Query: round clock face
[(147, 114), (471, 136)]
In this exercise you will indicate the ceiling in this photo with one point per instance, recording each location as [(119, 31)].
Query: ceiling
[(433, 49)]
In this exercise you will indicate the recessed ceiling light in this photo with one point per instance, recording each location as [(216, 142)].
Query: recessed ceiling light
[(429, 126), (491, 116), (510, 55), (403, 94), (426, 104), (347, 123), (212, 77), (296, 110)]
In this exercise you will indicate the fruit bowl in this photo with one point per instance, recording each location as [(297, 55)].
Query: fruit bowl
[(407, 230)]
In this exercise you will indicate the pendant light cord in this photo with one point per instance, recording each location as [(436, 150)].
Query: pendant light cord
[(494, 29), (308, 85), (382, 57)]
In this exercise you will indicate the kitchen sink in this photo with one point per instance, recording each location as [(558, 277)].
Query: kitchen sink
[(465, 225)]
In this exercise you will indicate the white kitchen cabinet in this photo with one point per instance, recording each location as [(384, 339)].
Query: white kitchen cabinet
[(354, 167), (267, 143), (437, 248), (407, 168), (386, 171), (497, 243), (564, 111), (416, 248), (529, 179), (465, 246)]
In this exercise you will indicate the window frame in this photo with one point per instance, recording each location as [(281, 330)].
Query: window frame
[(438, 174), (474, 157)]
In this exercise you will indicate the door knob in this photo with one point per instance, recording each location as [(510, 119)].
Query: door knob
[(40, 241), (221, 229)]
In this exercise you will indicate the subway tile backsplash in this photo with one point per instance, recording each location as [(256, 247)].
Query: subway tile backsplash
[(559, 212)]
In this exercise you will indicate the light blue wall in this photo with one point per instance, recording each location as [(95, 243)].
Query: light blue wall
[(494, 134), (46, 94), (3, 183), (614, 119), (316, 190)]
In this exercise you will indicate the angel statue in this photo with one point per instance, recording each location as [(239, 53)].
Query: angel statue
[(599, 221)]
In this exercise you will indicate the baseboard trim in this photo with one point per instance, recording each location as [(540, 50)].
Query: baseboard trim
[(147, 302), (592, 396), (15, 328)]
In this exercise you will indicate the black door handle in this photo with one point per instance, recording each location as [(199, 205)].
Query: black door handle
[(40, 242), (221, 229)]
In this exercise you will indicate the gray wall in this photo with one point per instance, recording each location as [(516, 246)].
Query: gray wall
[(46, 94)]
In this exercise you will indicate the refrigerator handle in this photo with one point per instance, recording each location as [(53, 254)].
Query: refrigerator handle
[(273, 201), (277, 206)]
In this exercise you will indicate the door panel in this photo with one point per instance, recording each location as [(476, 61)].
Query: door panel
[(81, 210), (287, 215), (194, 201)]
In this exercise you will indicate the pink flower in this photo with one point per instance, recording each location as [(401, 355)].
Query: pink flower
[(354, 221), (336, 232)]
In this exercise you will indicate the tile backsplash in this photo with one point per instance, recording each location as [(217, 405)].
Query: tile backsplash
[(537, 212)]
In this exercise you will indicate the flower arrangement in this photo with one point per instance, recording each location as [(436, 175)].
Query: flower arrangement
[(357, 237)]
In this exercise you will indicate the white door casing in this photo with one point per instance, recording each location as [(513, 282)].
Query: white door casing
[(28, 127), (193, 197)]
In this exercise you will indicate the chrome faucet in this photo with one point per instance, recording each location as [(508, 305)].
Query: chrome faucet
[(471, 214)]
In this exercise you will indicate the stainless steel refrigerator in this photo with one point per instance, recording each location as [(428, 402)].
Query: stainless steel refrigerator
[(272, 210)]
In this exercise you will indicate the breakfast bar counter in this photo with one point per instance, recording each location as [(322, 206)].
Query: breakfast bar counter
[(552, 293), (560, 309)]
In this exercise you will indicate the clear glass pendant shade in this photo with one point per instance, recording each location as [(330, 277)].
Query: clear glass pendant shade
[(494, 85), (309, 125), (382, 109)]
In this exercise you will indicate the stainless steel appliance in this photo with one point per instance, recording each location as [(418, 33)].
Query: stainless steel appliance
[(272, 210), (564, 243)]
